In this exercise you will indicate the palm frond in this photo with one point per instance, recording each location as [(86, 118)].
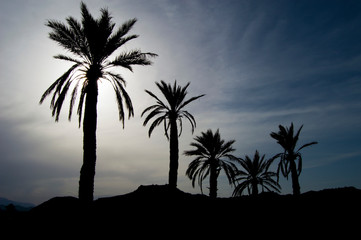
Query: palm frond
[(156, 109), (119, 99), (189, 101), (59, 102), (158, 101), (148, 109), (79, 38), (198, 170), (90, 30), (59, 82), (152, 114), (66, 58), (63, 36), (73, 98), (167, 92), (226, 148), (306, 145), (81, 101), (135, 57), (122, 30), (200, 150), (156, 123), (238, 190), (127, 100), (117, 39), (190, 119), (180, 125), (230, 170), (299, 165)]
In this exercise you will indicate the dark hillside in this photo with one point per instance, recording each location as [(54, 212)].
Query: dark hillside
[(159, 207), (162, 199)]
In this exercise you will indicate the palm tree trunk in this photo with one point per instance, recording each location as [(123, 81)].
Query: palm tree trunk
[(87, 172), (213, 179), (254, 188), (295, 184), (173, 154)]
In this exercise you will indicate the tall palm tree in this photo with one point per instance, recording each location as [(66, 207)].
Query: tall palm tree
[(212, 155), (255, 173), (286, 138), (91, 42), (169, 113)]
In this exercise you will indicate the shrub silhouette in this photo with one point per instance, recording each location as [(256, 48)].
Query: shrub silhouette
[(91, 43)]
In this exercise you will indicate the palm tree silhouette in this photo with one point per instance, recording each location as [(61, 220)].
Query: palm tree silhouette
[(286, 138), (212, 155), (255, 173), (169, 113), (91, 42)]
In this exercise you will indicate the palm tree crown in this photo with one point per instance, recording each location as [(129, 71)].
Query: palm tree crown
[(255, 173), (286, 138), (92, 42), (212, 155), (172, 110)]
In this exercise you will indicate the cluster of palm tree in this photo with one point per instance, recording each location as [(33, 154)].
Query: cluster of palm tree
[(213, 154), (92, 42)]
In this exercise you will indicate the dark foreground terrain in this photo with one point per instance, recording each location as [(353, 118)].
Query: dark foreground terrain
[(158, 210)]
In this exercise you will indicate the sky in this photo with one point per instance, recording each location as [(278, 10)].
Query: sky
[(260, 64)]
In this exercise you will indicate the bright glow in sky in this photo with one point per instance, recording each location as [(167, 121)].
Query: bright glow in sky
[(260, 64)]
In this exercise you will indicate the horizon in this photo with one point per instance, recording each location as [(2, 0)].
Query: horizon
[(260, 65)]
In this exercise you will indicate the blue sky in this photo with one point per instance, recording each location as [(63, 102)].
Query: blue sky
[(260, 64)]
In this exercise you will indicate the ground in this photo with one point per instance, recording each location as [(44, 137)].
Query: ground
[(160, 210)]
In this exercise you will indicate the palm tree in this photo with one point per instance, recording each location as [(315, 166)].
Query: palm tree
[(255, 173), (286, 138), (91, 42), (212, 155), (169, 113)]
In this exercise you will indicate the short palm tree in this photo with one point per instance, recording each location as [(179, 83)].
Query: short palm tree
[(286, 138), (91, 42), (212, 155), (169, 113), (256, 173)]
